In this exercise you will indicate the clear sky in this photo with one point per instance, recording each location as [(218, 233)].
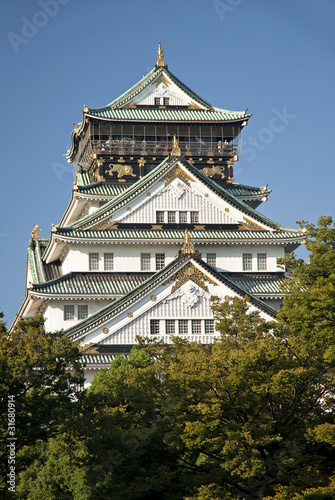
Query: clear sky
[(274, 57)]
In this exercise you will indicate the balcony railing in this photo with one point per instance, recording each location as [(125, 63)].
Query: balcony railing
[(155, 148), (162, 148)]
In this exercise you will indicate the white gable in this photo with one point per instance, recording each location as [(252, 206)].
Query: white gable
[(162, 87), (190, 301)]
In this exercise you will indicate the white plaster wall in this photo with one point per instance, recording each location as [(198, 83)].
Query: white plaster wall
[(127, 257), (54, 314)]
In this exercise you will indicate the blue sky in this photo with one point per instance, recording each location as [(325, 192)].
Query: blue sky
[(275, 58)]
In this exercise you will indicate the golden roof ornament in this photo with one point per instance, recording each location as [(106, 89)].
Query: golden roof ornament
[(175, 147), (34, 232), (188, 246), (160, 56), (85, 108)]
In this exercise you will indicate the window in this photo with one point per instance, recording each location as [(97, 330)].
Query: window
[(170, 326), (183, 217), (166, 101), (194, 217), (211, 259), (171, 217), (94, 262), (145, 261), (160, 217), (209, 325), (247, 262), (157, 101), (261, 261), (82, 311), (154, 326), (68, 312), (108, 261), (196, 326), (160, 261), (183, 326)]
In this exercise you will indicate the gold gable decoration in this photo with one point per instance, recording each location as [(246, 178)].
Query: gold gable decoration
[(250, 225), (176, 172), (190, 272), (90, 348), (188, 247), (105, 225)]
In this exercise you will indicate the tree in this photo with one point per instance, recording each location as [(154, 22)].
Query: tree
[(40, 378)]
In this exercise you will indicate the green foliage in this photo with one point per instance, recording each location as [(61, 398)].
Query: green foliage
[(41, 374)]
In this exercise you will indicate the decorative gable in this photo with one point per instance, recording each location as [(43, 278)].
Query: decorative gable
[(163, 91)]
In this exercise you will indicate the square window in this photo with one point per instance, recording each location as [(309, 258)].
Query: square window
[(247, 262), (170, 327), (157, 101), (160, 261), (82, 311), (196, 326), (183, 217), (154, 327), (211, 259), (68, 312), (194, 217), (108, 261), (171, 217), (94, 262), (160, 219), (166, 101), (145, 261), (183, 326), (261, 261), (209, 325)]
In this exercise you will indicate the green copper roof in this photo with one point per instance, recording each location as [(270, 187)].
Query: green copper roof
[(97, 359), (113, 112), (92, 284), (167, 115), (258, 284), (41, 271), (178, 234), (159, 277), (134, 190), (102, 189)]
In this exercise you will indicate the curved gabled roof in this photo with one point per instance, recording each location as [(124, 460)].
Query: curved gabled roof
[(133, 191)]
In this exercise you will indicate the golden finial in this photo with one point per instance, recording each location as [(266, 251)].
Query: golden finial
[(188, 246), (85, 108), (175, 147), (34, 232), (160, 56)]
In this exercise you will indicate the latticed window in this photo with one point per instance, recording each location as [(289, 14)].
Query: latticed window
[(261, 261), (157, 101), (209, 325), (183, 326), (211, 259), (166, 101), (94, 262), (160, 261), (247, 262), (145, 261), (82, 311), (170, 327), (171, 217), (194, 217), (160, 217), (154, 326), (196, 326), (68, 312), (108, 261), (183, 217)]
